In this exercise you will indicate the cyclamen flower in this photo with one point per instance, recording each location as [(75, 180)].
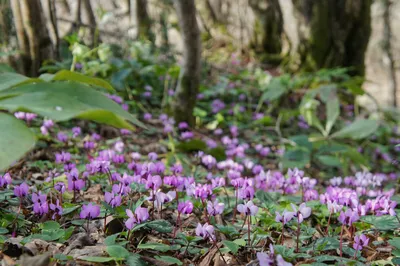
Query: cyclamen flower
[(62, 137), (76, 131), (21, 190), (119, 146), (281, 262), (302, 213), (205, 231), (63, 157), (360, 242), (183, 125), (348, 217), (112, 199), (147, 116), (208, 161), (74, 182), (215, 208), (248, 209), (89, 211), (177, 168), (285, 217), (187, 135), (185, 207), (125, 131), (141, 215), (265, 259), (152, 156), (153, 182), (60, 186), (5, 180), (57, 209)]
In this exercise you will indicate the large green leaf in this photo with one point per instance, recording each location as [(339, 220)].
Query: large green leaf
[(74, 76), (65, 100), (10, 79), (15, 140), (359, 129)]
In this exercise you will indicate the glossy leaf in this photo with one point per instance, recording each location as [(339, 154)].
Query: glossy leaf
[(67, 75)]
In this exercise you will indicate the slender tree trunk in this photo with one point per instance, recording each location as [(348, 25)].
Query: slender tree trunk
[(53, 19), (333, 33), (143, 21), (65, 6), (268, 29), (387, 49), (40, 45), (189, 78), (23, 42), (77, 20), (92, 21)]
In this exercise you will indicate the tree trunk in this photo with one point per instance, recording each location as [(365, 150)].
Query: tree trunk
[(65, 7), (333, 33), (268, 30), (40, 45), (53, 19), (189, 78), (92, 22), (143, 21)]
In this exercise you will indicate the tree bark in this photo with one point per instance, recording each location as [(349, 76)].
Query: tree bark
[(189, 78), (268, 29), (40, 45), (92, 21), (333, 33), (53, 19), (387, 50), (143, 21)]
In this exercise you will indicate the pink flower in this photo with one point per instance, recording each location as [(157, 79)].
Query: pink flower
[(205, 231), (185, 207), (89, 211), (215, 208), (360, 242), (248, 209), (285, 217), (141, 215), (21, 190), (302, 213)]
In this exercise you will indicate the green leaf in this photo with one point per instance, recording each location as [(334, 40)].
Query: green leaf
[(75, 76), (359, 129), (192, 145), (5, 68), (170, 260), (332, 113), (134, 260), (50, 225), (329, 160), (233, 247), (96, 259), (384, 223), (65, 100), (395, 242), (161, 226), (296, 158), (156, 246), (117, 251), (15, 140), (10, 79), (111, 240)]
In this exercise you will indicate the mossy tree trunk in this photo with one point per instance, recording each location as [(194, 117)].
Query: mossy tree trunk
[(189, 78), (332, 33), (268, 30)]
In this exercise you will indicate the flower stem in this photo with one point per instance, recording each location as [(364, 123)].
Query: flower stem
[(235, 209), (341, 241), (329, 222), (298, 235), (283, 228), (248, 230)]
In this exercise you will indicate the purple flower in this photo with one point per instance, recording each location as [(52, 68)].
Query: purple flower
[(281, 262), (183, 125), (60, 186), (248, 209), (348, 217), (141, 215), (153, 182), (177, 168), (360, 242), (147, 94), (74, 182), (152, 156), (246, 192), (187, 135), (112, 199), (203, 191), (215, 208), (96, 137), (119, 146), (63, 157), (21, 190), (5, 180), (62, 137), (147, 116), (76, 131), (302, 213), (264, 259), (30, 116), (208, 161), (285, 217), (57, 209), (48, 123), (125, 131), (217, 105), (185, 207), (89, 145), (40, 208), (205, 231), (20, 115), (90, 211)]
